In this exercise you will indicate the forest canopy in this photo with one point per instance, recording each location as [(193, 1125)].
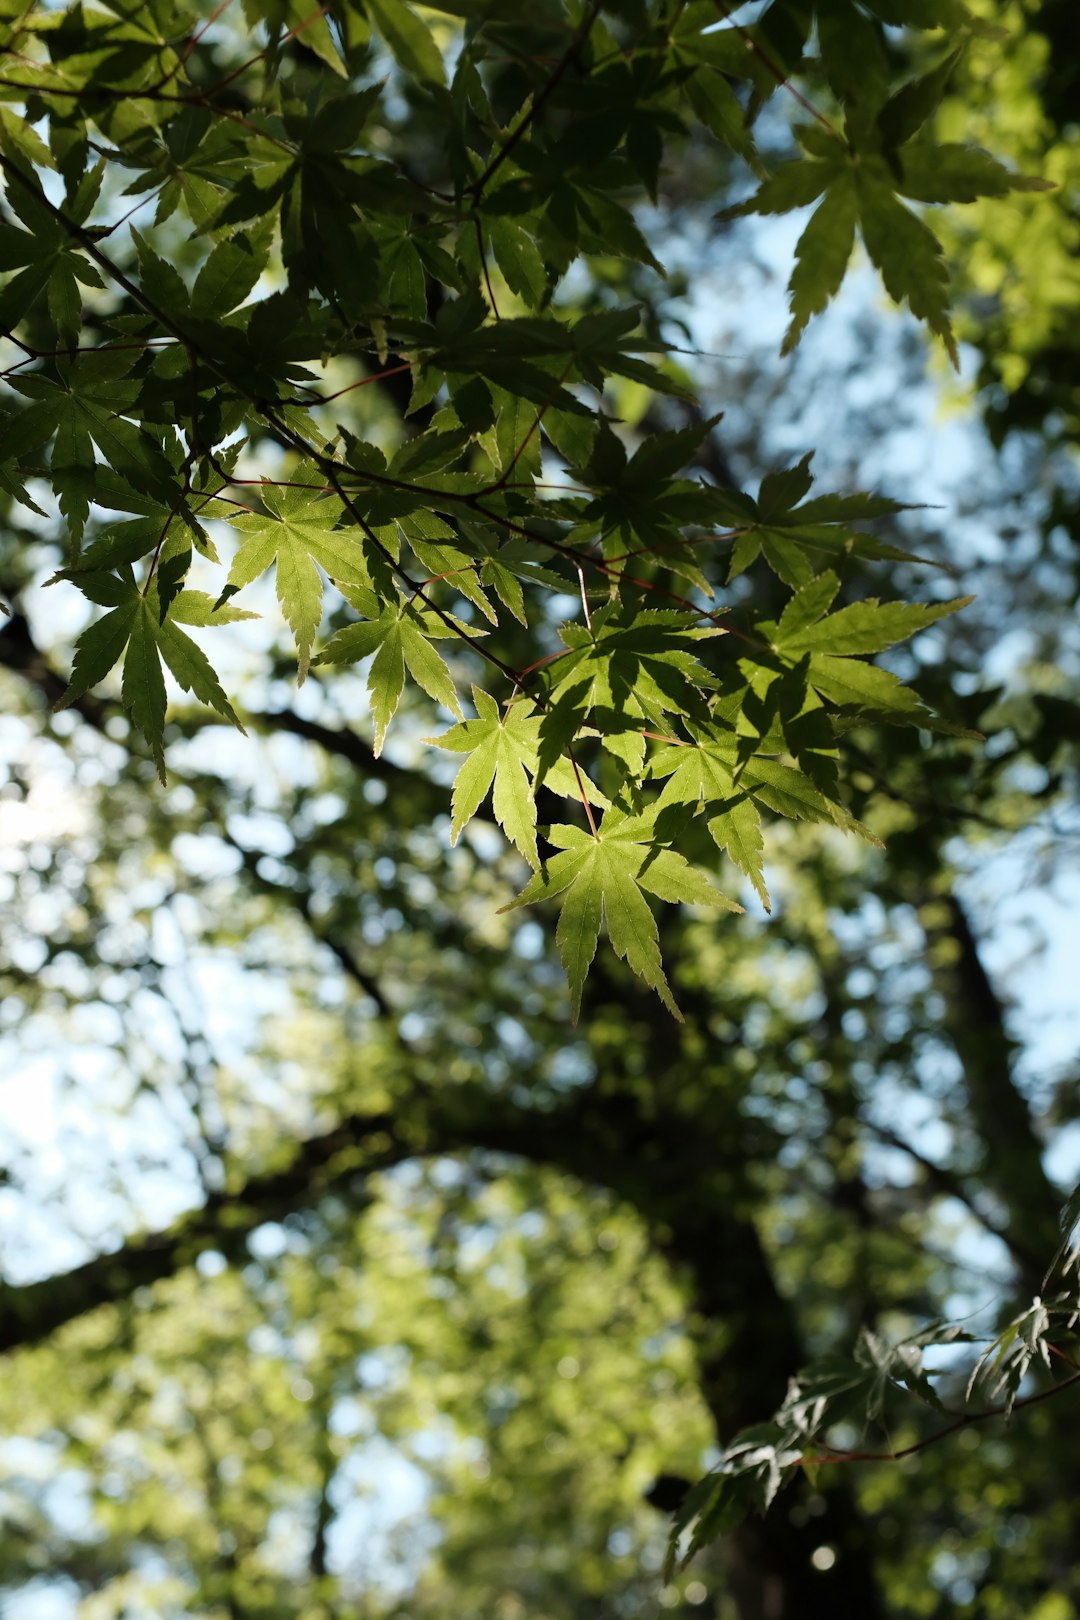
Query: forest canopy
[(382, 341)]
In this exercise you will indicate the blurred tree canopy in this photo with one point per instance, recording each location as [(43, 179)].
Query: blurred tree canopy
[(351, 1266)]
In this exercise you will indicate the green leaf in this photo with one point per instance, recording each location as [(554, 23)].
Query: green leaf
[(634, 665), (199, 608), (702, 780), (399, 639), (792, 185), (519, 259), (861, 627), (299, 529), (953, 173), (193, 670), (909, 108), (831, 644), (601, 880), (410, 39), (445, 562), (502, 751), (143, 688), (780, 491), (908, 255), (859, 181), (159, 280), (822, 255), (735, 825), (99, 648), (136, 624), (297, 19), (426, 666), (18, 138), (228, 276), (793, 538)]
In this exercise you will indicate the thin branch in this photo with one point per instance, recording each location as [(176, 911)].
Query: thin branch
[(523, 446), (940, 1178), (566, 61), (301, 902), (581, 789), (775, 69), (963, 1420), (484, 267)]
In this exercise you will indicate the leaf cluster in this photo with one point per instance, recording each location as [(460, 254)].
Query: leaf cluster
[(176, 384), (842, 1394)]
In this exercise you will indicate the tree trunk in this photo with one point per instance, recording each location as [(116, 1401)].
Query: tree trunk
[(749, 1349), (1012, 1166)]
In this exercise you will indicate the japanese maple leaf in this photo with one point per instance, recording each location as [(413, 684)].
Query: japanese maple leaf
[(602, 879), (504, 752), (297, 531), (134, 628), (400, 637)]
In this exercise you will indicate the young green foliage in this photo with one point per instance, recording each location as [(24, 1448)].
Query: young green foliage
[(503, 753), (398, 636), (136, 629), (868, 1391), (206, 367), (828, 644), (599, 877), (860, 177), (298, 530)]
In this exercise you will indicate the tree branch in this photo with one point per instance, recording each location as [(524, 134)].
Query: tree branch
[(429, 1122), (962, 1420), (301, 902), (20, 653), (1012, 1162), (946, 1182)]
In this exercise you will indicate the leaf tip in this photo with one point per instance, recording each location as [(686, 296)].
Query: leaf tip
[(791, 337)]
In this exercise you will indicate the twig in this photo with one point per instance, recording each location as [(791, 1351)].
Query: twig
[(963, 1420), (569, 56), (775, 69)]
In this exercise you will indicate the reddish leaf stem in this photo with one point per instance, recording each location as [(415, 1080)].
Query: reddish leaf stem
[(963, 1420), (775, 69), (581, 790)]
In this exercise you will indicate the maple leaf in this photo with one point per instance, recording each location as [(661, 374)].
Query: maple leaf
[(84, 406), (640, 503), (409, 39), (792, 533), (832, 642), (600, 880), (703, 778), (45, 259), (716, 777), (860, 179), (400, 638), (427, 535), (298, 530), (504, 751), (636, 664), (135, 628), (622, 669)]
